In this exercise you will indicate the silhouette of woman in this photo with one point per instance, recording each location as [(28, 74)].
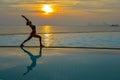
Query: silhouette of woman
[(33, 33), (33, 59)]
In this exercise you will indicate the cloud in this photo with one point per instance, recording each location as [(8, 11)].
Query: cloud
[(69, 4), (64, 7), (74, 8)]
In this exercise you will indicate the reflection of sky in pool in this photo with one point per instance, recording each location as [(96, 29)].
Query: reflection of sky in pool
[(60, 64)]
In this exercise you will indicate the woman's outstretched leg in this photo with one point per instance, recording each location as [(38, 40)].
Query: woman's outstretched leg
[(40, 39), (26, 40)]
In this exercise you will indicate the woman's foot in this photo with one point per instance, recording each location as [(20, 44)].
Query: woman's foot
[(42, 45), (21, 45)]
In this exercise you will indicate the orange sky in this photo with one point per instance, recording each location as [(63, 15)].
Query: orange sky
[(64, 11)]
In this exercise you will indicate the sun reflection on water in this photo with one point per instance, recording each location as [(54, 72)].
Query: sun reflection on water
[(47, 29), (47, 36)]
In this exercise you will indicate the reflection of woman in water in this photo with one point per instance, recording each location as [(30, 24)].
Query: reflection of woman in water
[(33, 59), (33, 33)]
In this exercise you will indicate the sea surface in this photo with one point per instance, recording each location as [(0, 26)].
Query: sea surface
[(49, 63), (74, 36)]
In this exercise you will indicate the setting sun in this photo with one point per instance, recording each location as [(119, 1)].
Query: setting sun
[(47, 9)]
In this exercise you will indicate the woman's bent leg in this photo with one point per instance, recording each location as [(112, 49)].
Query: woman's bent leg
[(26, 40), (40, 39)]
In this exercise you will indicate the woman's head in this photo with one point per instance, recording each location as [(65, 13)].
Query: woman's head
[(28, 23)]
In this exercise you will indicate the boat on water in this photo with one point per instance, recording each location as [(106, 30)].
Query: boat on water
[(115, 25)]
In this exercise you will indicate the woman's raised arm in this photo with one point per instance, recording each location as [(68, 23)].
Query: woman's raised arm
[(25, 18)]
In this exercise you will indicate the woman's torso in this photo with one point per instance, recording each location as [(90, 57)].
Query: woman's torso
[(33, 27)]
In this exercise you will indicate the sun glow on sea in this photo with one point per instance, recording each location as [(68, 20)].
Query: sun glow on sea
[(48, 37)]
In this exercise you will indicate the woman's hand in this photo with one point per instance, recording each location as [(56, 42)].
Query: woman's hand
[(22, 15), (25, 18)]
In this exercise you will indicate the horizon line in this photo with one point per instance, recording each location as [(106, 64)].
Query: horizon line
[(79, 47)]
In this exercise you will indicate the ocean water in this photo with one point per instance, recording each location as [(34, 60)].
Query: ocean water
[(31, 63), (74, 36)]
